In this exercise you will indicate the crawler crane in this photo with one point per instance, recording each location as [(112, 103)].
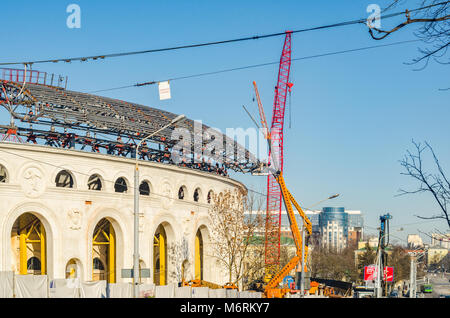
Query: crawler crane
[(272, 289)]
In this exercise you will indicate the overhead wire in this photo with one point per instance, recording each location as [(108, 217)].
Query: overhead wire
[(254, 66), (254, 37)]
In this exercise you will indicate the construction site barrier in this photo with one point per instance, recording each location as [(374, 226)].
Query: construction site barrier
[(183, 292), (120, 290), (63, 288), (31, 286), (6, 284), (40, 286), (200, 292)]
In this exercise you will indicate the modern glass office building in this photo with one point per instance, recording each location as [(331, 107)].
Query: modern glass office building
[(334, 227), (333, 224)]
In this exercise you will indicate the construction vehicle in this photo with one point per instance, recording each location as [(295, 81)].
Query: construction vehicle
[(314, 288), (272, 289), (204, 283), (272, 243), (276, 187)]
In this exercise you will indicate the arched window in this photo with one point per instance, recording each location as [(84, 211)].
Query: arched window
[(198, 255), (104, 251), (64, 179), (98, 264), (72, 268), (181, 193), (3, 174), (144, 188), (120, 185), (209, 196), (160, 256), (34, 264), (28, 239), (95, 182), (197, 194)]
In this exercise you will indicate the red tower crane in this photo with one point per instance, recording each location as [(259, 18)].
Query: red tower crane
[(274, 194)]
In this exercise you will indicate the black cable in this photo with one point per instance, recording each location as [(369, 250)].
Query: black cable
[(255, 37), (255, 65)]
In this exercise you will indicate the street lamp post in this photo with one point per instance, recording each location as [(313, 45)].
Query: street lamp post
[(317, 203), (136, 207)]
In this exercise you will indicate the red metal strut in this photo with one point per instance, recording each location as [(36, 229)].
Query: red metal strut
[(274, 196)]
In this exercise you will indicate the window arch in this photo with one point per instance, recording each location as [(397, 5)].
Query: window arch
[(199, 255), (3, 174), (209, 197), (120, 185), (29, 240), (64, 179), (144, 188), (97, 264), (33, 264), (95, 182), (182, 192), (197, 194), (73, 268), (160, 256), (104, 244)]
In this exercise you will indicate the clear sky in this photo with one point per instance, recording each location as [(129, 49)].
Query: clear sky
[(353, 115)]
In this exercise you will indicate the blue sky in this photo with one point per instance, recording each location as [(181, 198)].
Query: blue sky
[(353, 115)]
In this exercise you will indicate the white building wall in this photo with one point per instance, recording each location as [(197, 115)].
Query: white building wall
[(71, 214)]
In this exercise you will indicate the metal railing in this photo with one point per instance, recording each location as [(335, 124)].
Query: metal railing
[(33, 77)]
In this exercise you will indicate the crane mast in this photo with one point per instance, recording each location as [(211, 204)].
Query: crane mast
[(274, 193)]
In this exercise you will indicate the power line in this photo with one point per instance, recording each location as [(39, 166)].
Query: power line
[(255, 37), (255, 66)]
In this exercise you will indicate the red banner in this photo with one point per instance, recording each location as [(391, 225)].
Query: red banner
[(370, 273), (388, 274)]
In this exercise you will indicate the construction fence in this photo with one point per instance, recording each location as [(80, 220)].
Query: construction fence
[(39, 286)]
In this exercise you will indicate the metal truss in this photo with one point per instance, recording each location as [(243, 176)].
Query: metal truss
[(83, 118)]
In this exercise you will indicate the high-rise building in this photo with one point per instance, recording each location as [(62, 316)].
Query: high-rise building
[(332, 227), (340, 228), (333, 223)]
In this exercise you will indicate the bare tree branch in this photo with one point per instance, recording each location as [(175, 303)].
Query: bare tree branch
[(233, 232), (434, 21), (436, 184)]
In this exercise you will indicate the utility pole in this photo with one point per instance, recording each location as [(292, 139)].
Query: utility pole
[(302, 277), (412, 279), (381, 286)]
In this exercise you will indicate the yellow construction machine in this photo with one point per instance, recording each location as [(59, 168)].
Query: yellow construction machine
[(272, 289), (204, 283)]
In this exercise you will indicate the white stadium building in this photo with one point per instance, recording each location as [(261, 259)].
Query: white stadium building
[(67, 192)]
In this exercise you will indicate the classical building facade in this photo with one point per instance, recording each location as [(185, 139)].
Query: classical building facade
[(69, 213)]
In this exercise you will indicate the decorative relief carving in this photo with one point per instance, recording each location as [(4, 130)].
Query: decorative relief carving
[(167, 196), (33, 184), (74, 219)]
